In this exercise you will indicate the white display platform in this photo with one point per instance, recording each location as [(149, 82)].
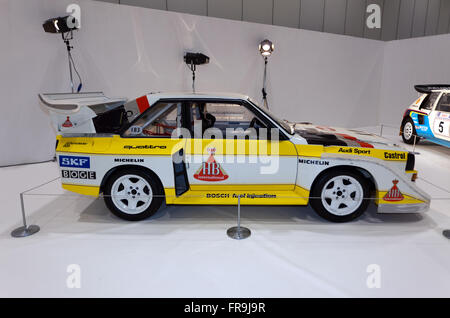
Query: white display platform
[(184, 251)]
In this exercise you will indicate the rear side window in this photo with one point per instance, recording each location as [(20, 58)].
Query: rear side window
[(444, 103), (429, 101), (159, 120)]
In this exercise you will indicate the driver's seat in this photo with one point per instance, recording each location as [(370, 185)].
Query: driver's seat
[(209, 120)]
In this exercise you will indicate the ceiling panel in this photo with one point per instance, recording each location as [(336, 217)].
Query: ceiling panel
[(444, 17), (312, 14), (419, 18), (432, 17), (198, 7), (355, 17), (286, 13), (374, 33), (230, 9), (112, 1), (405, 19), (389, 20), (153, 4), (259, 11), (334, 19)]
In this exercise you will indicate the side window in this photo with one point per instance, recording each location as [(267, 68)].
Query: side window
[(223, 116), (159, 120), (444, 103), (429, 101)]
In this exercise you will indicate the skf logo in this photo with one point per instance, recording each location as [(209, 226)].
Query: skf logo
[(74, 162), (211, 170)]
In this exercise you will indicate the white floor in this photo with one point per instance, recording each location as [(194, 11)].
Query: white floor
[(184, 251)]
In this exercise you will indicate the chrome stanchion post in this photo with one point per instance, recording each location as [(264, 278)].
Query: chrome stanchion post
[(24, 230), (414, 145), (381, 130), (238, 232)]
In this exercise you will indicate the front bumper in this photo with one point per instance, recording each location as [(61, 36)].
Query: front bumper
[(404, 208)]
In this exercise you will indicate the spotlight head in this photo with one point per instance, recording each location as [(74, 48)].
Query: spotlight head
[(266, 48), (195, 58), (60, 24)]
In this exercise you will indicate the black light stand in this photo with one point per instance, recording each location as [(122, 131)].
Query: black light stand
[(192, 60), (67, 37), (266, 48), (193, 68), (264, 92)]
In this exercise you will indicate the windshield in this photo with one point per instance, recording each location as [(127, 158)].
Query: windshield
[(283, 123)]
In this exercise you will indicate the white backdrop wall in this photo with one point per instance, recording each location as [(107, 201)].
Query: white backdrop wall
[(407, 63), (128, 51)]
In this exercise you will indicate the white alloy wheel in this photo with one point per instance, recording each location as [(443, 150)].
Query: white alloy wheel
[(342, 195), (408, 130), (131, 194)]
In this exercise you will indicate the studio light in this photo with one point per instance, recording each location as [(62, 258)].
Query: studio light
[(60, 24), (192, 60), (196, 58), (65, 26), (266, 48)]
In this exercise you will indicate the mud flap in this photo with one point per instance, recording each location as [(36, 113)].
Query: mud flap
[(180, 173)]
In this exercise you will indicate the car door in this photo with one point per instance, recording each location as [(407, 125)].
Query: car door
[(421, 118), (232, 149), (440, 118), (152, 140)]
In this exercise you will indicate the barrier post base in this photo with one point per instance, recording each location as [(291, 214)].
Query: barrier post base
[(25, 231), (238, 232)]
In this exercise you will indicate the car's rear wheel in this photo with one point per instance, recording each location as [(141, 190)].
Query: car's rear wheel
[(133, 194), (340, 196), (409, 131)]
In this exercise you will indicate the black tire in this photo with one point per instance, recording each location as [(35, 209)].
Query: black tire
[(323, 211), (157, 193), (409, 139)]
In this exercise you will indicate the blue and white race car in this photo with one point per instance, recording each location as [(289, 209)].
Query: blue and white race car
[(429, 116)]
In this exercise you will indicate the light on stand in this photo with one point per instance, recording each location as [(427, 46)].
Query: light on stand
[(192, 60), (266, 49), (65, 26)]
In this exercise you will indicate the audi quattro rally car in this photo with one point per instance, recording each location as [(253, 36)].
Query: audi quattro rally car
[(429, 116), (229, 147)]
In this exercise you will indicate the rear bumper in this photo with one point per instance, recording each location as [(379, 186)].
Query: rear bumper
[(404, 208)]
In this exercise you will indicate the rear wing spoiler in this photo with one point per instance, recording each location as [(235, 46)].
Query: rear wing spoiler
[(75, 112), (428, 88), (70, 103)]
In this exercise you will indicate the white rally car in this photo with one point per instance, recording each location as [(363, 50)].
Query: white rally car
[(429, 116), (133, 154)]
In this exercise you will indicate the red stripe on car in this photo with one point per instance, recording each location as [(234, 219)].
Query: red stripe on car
[(142, 103), (361, 143)]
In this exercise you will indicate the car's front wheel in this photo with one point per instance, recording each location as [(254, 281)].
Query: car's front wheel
[(409, 132), (133, 194), (340, 196)]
